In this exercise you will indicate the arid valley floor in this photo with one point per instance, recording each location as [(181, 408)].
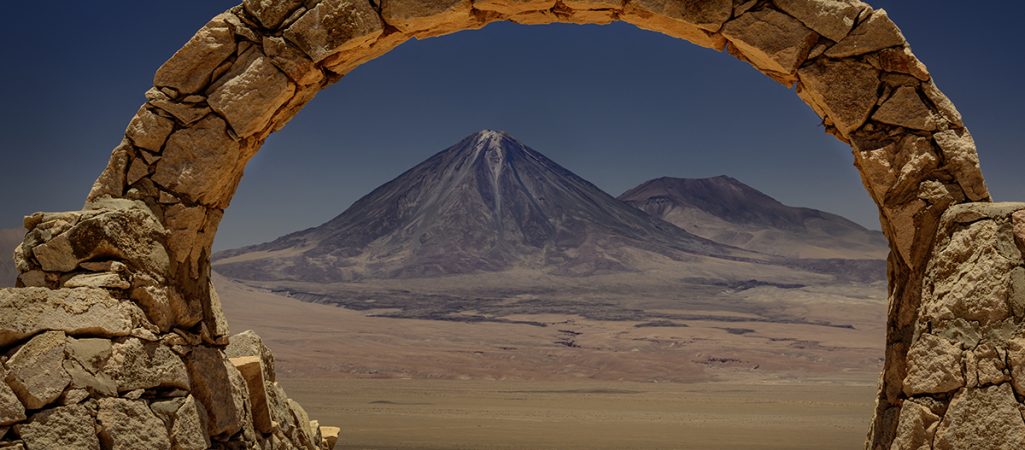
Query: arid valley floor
[(724, 380)]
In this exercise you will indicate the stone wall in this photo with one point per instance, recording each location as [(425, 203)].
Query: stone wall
[(148, 226)]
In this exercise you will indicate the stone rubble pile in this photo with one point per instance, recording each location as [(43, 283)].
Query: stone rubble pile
[(140, 249)]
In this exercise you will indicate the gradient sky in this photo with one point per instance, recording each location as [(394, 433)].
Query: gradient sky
[(614, 104)]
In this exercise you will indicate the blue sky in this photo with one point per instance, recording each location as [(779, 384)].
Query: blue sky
[(615, 104)]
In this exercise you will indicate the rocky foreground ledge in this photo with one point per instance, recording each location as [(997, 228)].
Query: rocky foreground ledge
[(84, 370)]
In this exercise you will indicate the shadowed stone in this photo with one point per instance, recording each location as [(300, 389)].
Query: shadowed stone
[(189, 70), (513, 7), (335, 26), (271, 13), (876, 33), (830, 18), (201, 162), (906, 109), (959, 151), (771, 40), (11, 409), (915, 427), (692, 20), (220, 388), (411, 16), (253, 93), (136, 364), (845, 91), (86, 361), (148, 130)]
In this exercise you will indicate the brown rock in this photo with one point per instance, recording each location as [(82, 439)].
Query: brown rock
[(149, 130), (11, 409), (691, 20), (335, 26), (906, 109), (915, 428), (220, 388), (292, 61), (982, 419), (130, 425), (845, 91), (331, 435), (248, 343), (771, 40), (583, 5), (830, 18), (111, 183), (985, 365), (85, 363), (271, 13), (903, 61), (942, 103), (876, 33), (37, 373), (513, 7), (98, 280), (302, 433), (188, 71), (136, 364), (959, 152), (968, 275), (412, 16), (26, 311), (934, 366), (188, 431), (201, 162), (251, 369), (251, 95), (65, 427)]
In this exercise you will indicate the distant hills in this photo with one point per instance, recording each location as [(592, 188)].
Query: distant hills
[(9, 240), (490, 204), (725, 210)]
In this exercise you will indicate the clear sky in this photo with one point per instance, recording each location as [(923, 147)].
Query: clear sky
[(615, 104)]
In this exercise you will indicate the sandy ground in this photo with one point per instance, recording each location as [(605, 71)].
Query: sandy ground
[(435, 414), (576, 383)]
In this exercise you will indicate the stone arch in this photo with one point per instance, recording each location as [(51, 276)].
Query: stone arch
[(250, 69)]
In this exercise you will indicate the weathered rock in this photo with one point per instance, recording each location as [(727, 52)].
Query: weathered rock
[(934, 366), (969, 275), (903, 61), (960, 154), (1016, 359), (253, 92), (302, 432), (412, 16), (331, 435), (220, 388), (11, 409), (985, 366), (26, 311), (252, 371), (915, 428), (37, 373), (188, 431), (64, 427), (149, 130), (202, 163), (335, 26), (771, 40), (692, 20), (97, 280), (876, 33), (248, 343), (130, 425), (85, 363), (830, 18), (271, 13), (845, 91), (906, 109), (942, 103), (292, 61), (982, 419), (513, 7), (135, 364), (189, 70)]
